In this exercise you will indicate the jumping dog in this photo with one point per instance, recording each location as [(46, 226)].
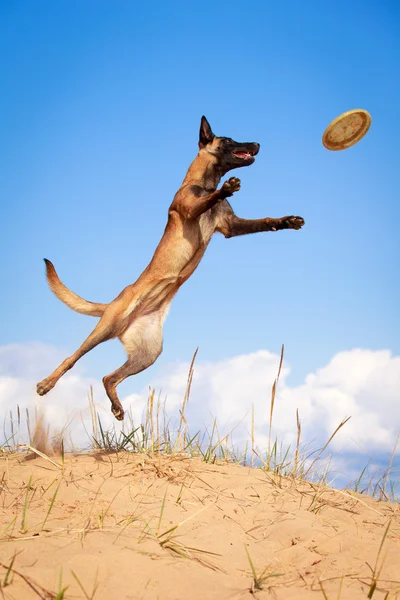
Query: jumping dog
[(198, 210)]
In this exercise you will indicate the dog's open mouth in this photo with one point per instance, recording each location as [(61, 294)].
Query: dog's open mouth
[(243, 155)]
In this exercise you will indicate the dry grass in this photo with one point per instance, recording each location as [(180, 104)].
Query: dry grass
[(156, 435)]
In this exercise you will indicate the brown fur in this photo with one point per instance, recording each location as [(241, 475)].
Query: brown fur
[(198, 210)]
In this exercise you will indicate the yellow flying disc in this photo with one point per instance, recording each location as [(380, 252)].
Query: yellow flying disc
[(347, 129)]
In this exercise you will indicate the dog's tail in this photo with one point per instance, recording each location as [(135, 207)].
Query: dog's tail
[(69, 298)]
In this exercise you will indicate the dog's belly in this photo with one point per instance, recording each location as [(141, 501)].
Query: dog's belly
[(145, 333)]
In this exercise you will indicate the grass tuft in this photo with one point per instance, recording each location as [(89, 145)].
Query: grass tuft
[(259, 580)]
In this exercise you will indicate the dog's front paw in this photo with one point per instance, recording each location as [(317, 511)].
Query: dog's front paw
[(293, 222), (230, 187)]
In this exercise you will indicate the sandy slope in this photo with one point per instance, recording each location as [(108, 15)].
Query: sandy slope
[(107, 526)]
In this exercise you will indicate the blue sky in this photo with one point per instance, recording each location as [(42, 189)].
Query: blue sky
[(100, 106)]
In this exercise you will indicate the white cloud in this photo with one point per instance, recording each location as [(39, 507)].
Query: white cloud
[(363, 384), (360, 383)]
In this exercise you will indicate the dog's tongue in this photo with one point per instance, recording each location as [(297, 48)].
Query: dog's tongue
[(242, 154)]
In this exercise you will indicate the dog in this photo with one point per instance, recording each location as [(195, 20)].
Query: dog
[(199, 209)]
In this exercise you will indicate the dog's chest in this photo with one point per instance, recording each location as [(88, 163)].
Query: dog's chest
[(206, 226)]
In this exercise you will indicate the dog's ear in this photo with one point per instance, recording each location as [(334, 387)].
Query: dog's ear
[(206, 135)]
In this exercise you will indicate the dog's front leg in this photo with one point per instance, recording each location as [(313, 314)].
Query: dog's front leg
[(192, 205), (237, 226)]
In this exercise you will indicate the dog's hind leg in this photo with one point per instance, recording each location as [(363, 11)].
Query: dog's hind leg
[(143, 343), (135, 364), (101, 333)]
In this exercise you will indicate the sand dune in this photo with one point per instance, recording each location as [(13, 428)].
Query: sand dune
[(137, 527)]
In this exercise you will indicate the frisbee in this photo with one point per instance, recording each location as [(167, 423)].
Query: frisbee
[(347, 129)]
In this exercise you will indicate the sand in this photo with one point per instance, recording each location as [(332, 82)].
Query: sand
[(137, 527)]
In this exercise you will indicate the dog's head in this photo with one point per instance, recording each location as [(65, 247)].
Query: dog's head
[(229, 154)]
